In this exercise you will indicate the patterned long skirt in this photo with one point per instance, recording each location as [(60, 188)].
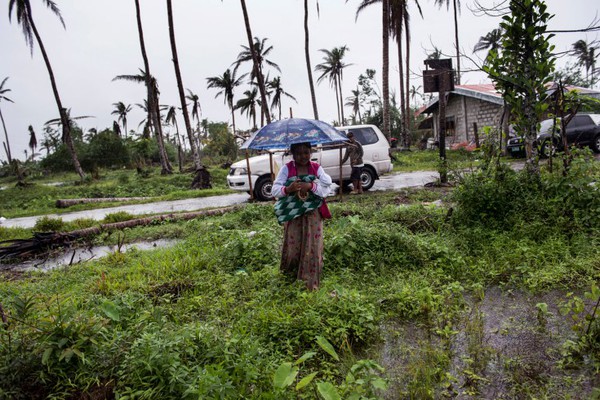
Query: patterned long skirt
[(302, 254)]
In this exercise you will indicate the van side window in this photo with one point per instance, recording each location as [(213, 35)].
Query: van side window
[(365, 135)]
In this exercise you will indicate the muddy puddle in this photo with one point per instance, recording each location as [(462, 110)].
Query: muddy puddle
[(81, 254), (506, 346)]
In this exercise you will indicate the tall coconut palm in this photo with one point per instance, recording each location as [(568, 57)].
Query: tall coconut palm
[(491, 41), (226, 84), (121, 110), (152, 92), (186, 116), (256, 63), (456, 9), (196, 107), (311, 84), (332, 68), (586, 57), (3, 97), (277, 92), (354, 102), (25, 19), (32, 141), (248, 105)]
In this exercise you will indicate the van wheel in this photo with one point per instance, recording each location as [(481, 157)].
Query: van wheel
[(367, 178), (262, 190)]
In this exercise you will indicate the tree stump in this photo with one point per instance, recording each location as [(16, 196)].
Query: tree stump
[(202, 179)]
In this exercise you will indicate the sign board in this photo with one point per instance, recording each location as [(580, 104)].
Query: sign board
[(444, 63), (438, 80)]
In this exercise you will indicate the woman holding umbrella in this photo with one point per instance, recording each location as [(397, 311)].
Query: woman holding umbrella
[(301, 186)]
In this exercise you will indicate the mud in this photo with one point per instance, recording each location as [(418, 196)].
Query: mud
[(504, 347)]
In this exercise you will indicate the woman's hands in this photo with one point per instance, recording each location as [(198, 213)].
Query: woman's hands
[(299, 186)]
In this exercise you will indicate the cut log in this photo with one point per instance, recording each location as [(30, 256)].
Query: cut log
[(43, 241), (64, 203)]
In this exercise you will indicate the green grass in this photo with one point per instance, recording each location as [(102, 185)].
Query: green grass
[(213, 318), (39, 198)]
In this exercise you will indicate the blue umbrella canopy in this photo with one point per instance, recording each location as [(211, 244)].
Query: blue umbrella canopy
[(281, 134)]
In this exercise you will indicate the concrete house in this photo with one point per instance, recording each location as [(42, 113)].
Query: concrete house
[(470, 108)]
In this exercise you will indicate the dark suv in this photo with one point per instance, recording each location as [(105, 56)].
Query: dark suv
[(582, 130)]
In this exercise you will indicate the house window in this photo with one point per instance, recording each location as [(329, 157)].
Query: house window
[(450, 126)]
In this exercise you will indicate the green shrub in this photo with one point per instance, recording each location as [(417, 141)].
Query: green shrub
[(48, 224)]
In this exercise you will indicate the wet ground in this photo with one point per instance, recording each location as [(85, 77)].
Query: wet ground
[(506, 346), (387, 182)]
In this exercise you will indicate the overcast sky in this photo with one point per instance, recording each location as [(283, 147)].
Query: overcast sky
[(101, 41)]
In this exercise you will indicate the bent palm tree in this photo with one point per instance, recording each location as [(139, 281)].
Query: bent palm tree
[(277, 91), (586, 57), (121, 110), (152, 91), (186, 116), (3, 97), (25, 19), (332, 68), (491, 41), (354, 101), (32, 141), (196, 108), (227, 84), (248, 105)]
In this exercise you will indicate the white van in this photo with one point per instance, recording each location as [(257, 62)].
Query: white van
[(376, 159)]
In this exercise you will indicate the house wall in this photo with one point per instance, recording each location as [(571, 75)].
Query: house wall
[(483, 113)]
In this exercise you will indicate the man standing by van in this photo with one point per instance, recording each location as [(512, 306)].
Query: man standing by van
[(354, 151)]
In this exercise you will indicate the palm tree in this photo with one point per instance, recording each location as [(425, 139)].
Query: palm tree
[(491, 41), (122, 110), (154, 118), (277, 91), (186, 117), (152, 91), (70, 120), (248, 105), (256, 63), (354, 101), (587, 58), (399, 27), (456, 8), (332, 68), (227, 84), (3, 97), (25, 18), (32, 141), (313, 97), (196, 108)]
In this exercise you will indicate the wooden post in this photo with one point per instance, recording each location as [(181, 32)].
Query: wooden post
[(291, 113), (249, 176), (341, 180), (476, 134), (271, 166), (444, 76)]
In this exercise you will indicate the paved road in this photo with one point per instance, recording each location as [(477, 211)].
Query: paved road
[(387, 182)]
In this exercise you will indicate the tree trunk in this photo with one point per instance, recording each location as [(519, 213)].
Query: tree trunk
[(408, 118), (308, 65), (261, 82), (385, 68), (153, 108), (7, 145), (186, 117), (66, 126), (343, 122)]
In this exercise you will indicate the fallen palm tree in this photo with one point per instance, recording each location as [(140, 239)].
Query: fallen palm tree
[(44, 241), (65, 203)]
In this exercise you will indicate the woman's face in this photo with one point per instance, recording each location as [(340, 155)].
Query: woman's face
[(302, 155)]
